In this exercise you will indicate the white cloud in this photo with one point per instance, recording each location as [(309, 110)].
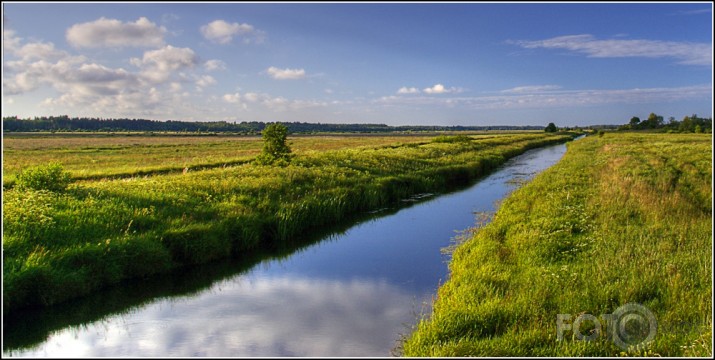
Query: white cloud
[(440, 89), (232, 98), (269, 102), (212, 65), (222, 32), (270, 316), (406, 90), (205, 81), (571, 98), (90, 88), (686, 52), (10, 42), (531, 89), (252, 97), (158, 65), (285, 74), (113, 33)]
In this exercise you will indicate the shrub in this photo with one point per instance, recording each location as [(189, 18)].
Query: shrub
[(275, 148), (50, 177)]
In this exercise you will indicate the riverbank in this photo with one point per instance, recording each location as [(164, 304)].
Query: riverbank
[(62, 245), (623, 218)]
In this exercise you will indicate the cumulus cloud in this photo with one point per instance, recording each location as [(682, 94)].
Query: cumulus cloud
[(87, 87), (686, 52), (232, 98), (10, 41), (440, 89), (205, 81), (114, 33), (270, 316), (285, 74), (212, 65), (406, 90), (158, 65), (222, 32)]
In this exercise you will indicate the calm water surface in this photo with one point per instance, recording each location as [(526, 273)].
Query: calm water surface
[(351, 294)]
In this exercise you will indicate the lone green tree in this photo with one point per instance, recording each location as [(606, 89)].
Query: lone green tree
[(275, 149), (551, 128)]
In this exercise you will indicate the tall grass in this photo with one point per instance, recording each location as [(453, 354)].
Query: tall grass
[(61, 245), (623, 218)]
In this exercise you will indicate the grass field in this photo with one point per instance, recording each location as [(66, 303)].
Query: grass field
[(101, 230), (96, 156), (623, 218)]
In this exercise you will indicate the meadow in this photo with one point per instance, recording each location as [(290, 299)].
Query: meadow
[(140, 209), (95, 156), (622, 218)]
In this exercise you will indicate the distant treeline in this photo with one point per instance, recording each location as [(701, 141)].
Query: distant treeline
[(65, 123), (689, 124)]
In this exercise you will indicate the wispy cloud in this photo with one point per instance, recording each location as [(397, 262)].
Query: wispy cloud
[(687, 53), (285, 74), (114, 33), (531, 89), (269, 102), (694, 12), (555, 98)]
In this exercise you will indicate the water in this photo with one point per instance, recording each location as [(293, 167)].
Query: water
[(351, 294)]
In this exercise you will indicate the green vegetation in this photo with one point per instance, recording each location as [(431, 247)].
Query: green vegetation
[(624, 218), (689, 124), (451, 139), (59, 245), (50, 177), (275, 147), (98, 156), (551, 128)]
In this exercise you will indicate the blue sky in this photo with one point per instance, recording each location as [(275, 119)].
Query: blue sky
[(396, 64)]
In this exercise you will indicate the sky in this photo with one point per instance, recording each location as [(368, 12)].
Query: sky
[(382, 63)]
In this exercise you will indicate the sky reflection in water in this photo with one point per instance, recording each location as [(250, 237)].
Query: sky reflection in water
[(351, 295)]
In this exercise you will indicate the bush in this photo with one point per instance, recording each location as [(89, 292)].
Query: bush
[(275, 149), (50, 177)]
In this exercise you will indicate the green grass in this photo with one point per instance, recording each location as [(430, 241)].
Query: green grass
[(623, 218), (91, 156), (62, 244)]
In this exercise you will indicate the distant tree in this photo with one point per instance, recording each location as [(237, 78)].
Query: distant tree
[(551, 128), (275, 147), (654, 121), (635, 121), (686, 125)]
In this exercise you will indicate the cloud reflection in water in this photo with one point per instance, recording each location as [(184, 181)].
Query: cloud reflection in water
[(252, 316)]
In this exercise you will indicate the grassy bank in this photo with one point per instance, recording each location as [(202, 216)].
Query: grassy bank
[(623, 218), (59, 245)]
